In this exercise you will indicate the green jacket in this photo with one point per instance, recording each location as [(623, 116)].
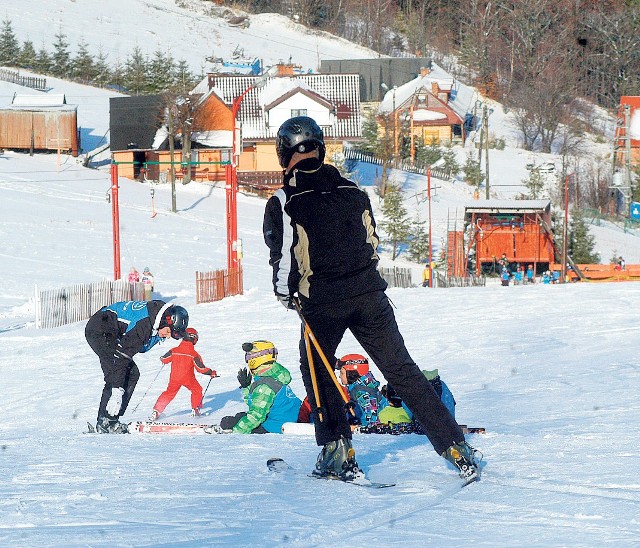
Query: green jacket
[(269, 405)]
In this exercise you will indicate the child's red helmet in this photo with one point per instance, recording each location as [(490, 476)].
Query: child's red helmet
[(191, 335), (354, 362)]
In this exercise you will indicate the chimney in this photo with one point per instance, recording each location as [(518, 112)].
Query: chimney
[(424, 71), (435, 88), (285, 69)]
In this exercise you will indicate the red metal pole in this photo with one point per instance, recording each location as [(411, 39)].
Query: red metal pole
[(430, 243), (229, 207), (115, 214)]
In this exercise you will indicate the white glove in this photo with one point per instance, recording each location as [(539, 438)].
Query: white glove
[(115, 402)]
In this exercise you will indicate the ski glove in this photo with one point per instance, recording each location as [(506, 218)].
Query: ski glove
[(115, 402), (213, 374), (244, 377), (286, 301)]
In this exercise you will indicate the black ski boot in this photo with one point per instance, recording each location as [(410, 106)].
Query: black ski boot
[(105, 425), (338, 460), (462, 456)]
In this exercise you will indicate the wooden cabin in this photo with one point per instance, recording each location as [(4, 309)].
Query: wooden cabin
[(40, 123), (520, 229)]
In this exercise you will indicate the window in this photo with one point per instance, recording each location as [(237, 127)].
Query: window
[(298, 112)]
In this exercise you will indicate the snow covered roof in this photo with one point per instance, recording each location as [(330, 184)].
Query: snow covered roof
[(339, 90), (507, 206), (39, 100)]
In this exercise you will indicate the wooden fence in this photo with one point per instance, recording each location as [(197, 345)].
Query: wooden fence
[(396, 277), (404, 165), (440, 280), (78, 302), (26, 81), (262, 183), (218, 284)]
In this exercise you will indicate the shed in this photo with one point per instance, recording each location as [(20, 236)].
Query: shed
[(40, 122), (520, 229)]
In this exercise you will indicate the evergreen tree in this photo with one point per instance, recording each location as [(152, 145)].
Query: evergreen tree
[(428, 155), (472, 172), (102, 73), (581, 243), (419, 241), (135, 72), (161, 72), (43, 62), (27, 57), (450, 161), (9, 45), (370, 133), (83, 66), (182, 77), (534, 183), (396, 224), (61, 57)]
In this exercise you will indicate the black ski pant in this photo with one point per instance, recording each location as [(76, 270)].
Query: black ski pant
[(103, 339), (371, 320)]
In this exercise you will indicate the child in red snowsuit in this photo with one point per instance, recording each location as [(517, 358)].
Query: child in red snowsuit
[(183, 358)]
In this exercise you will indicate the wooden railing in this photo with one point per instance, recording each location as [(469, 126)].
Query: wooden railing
[(218, 284), (78, 302), (262, 183), (26, 81), (396, 277)]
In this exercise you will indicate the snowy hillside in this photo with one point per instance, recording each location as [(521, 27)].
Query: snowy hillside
[(552, 372), (193, 32)]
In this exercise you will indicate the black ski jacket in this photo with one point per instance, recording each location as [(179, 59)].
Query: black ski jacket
[(322, 237)]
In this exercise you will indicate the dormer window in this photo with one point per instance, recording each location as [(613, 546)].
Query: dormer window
[(298, 112)]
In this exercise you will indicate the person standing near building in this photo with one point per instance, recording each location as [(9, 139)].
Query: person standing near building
[(148, 281), (323, 244)]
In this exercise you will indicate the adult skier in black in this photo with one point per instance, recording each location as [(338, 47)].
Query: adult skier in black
[(116, 333), (322, 239)]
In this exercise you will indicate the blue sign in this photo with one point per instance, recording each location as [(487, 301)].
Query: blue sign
[(634, 211)]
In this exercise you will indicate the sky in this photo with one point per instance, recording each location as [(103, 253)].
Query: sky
[(551, 371)]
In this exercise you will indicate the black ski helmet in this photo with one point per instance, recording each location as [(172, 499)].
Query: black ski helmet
[(298, 134), (177, 318)]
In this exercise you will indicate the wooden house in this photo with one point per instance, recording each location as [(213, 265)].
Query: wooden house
[(140, 144), (520, 229), (420, 110), (331, 99), (40, 123)]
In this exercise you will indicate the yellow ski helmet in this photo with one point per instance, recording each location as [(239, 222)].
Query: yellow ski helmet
[(259, 353)]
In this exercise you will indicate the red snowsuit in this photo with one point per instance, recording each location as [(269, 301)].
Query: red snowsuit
[(183, 359)]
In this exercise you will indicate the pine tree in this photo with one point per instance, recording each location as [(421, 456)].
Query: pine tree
[(83, 66), (472, 172), (534, 183), (450, 161), (182, 77), (43, 62), (371, 138), (102, 73), (419, 241), (27, 57), (9, 45), (61, 57), (581, 243), (135, 72), (161, 72), (396, 224), (428, 155)]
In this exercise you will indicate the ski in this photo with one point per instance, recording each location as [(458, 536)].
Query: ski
[(174, 428), (472, 429), (279, 465)]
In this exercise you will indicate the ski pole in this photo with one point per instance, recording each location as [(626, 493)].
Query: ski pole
[(312, 370), (205, 391), (310, 336), (154, 380)]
